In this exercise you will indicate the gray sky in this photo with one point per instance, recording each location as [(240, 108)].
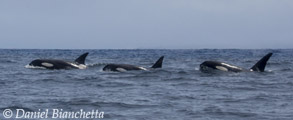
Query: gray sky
[(131, 24)]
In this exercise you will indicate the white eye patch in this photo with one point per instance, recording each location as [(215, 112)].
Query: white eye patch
[(121, 69), (221, 68), (47, 64)]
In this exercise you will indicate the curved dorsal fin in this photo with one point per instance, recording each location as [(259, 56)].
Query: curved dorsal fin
[(159, 63), (81, 59), (261, 64)]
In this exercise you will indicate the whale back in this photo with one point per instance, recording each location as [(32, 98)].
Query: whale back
[(51, 64), (120, 67)]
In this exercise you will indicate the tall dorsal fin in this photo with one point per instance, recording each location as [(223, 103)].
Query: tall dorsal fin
[(261, 64), (159, 63), (81, 59)]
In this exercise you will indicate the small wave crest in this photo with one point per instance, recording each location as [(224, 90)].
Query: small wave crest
[(8, 61), (121, 105), (215, 110), (96, 65)]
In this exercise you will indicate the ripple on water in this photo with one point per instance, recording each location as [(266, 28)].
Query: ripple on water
[(218, 111)]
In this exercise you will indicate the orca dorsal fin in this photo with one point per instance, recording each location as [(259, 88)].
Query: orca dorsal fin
[(159, 63), (81, 59), (261, 64)]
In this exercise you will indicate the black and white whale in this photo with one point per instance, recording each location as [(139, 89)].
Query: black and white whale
[(79, 63), (127, 67), (215, 65)]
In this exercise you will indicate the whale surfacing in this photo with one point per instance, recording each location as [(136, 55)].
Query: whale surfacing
[(127, 67), (216, 65), (79, 63)]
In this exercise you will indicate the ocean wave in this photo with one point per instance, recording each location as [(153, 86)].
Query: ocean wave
[(96, 65), (124, 105), (178, 87), (17, 107), (8, 61), (215, 110)]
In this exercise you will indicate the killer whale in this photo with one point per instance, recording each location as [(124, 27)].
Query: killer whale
[(79, 63), (216, 65), (127, 67)]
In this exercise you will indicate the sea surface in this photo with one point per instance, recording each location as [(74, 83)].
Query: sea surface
[(178, 91)]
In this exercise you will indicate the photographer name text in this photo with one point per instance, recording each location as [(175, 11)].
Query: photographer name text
[(53, 113)]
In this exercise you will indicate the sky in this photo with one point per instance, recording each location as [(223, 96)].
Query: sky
[(146, 24)]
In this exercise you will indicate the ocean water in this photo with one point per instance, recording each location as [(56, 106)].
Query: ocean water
[(178, 91)]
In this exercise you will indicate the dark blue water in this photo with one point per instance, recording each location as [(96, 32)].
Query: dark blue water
[(178, 91)]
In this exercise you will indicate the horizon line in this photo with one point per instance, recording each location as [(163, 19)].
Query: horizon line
[(145, 48)]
